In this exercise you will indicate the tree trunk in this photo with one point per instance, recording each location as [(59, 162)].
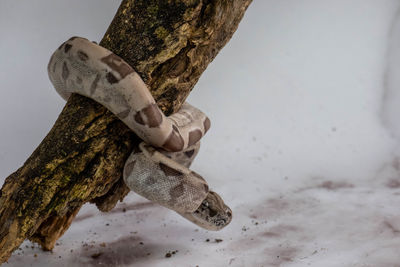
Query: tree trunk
[(169, 43)]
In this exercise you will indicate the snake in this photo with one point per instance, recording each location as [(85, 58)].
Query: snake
[(159, 167)]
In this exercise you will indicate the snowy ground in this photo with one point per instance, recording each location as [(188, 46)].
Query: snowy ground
[(309, 162)]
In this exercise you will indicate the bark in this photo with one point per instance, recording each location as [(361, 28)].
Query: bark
[(169, 43)]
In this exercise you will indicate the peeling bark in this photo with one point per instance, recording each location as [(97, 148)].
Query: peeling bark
[(169, 43)]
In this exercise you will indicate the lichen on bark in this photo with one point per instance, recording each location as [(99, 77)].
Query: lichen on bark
[(169, 43)]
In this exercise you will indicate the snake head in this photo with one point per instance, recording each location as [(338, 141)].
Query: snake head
[(213, 214)]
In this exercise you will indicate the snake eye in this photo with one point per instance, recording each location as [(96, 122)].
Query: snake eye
[(212, 213)]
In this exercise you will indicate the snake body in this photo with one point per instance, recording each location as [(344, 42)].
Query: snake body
[(159, 169)]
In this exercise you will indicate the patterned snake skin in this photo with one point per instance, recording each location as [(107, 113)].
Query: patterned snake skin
[(159, 168)]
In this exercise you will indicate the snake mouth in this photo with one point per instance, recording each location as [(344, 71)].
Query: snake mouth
[(221, 220)]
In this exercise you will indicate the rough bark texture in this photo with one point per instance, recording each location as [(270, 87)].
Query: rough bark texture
[(169, 43)]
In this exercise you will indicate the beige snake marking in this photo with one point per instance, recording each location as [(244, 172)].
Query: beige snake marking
[(82, 67), (164, 181)]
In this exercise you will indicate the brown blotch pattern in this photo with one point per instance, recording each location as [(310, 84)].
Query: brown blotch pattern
[(111, 78), (195, 174), (206, 187), (65, 71), (123, 114), (189, 153), (194, 136), (174, 142), (177, 191), (67, 47), (82, 55), (168, 171), (138, 118), (93, 86), (118, 65), (129, 168), (150, 116), (153, 115), (207, 124), (61, 46)]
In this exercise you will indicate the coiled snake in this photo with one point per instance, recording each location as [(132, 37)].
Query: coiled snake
[(159, 168)]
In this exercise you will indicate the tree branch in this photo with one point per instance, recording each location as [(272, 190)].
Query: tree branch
[(169, 43)]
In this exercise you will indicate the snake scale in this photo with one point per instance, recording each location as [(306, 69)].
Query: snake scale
[(158, 169)]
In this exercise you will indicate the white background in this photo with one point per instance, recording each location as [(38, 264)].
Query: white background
[(303, 144)]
